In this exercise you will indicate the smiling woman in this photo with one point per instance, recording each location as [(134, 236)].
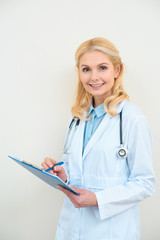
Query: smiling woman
[(100, 59), (110, 184), (97, 75)]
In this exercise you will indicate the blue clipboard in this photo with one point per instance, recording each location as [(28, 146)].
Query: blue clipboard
[(52, 180)]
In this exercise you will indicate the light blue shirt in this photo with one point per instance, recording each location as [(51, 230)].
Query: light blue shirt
[(96, 115)]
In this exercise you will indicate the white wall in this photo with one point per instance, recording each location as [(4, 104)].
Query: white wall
[(37, 44)]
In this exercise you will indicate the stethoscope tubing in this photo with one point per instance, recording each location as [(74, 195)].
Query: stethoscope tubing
[(122, 152), (67, 142)]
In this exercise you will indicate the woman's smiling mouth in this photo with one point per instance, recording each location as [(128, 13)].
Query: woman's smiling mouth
[(96, 85)]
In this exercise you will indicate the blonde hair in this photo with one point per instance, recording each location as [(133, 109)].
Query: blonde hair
[(83, 99)]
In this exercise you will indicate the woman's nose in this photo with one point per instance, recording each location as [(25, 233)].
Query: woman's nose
[(94, 75)]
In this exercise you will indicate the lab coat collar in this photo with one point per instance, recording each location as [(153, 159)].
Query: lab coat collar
[(120, 106)]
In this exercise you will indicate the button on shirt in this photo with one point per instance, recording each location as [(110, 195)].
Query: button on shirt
[(96, 114)]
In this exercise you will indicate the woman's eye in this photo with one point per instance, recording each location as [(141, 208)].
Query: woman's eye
[(85, 69), (103, 67)]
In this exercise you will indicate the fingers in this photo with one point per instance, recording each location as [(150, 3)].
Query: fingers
[(48, 163), (75, 188), (58, 169), (67, 192), (75, 199), (45, 167), (78, 190)]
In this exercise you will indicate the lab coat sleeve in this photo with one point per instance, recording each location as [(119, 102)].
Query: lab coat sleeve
[(140, 183)]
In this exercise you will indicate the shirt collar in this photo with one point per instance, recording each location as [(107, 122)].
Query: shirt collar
[(99, 111)]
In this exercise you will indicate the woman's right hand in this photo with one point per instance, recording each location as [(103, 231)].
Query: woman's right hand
[(57, 170)]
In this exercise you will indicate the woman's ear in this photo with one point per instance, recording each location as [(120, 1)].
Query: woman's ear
[(117, 71)]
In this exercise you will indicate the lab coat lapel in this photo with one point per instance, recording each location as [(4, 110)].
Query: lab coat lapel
[(97, 134), (78, 145), (99, 131)]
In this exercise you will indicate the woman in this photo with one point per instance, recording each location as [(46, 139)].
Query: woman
[(110, 186)]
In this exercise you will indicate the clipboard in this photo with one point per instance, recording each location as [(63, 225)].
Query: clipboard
[(50, 179)]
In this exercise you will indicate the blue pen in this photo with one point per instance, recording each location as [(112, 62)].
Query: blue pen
[(49, 169)]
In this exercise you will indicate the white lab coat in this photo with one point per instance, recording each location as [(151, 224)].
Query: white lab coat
[(119, 184)]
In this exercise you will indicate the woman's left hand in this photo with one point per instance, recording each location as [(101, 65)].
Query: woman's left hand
[(85, 199)]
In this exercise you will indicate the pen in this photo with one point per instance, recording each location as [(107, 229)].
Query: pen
[(49, 169)]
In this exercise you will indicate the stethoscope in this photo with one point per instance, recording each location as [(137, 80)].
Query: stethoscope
[(122, 152), (70, 134)]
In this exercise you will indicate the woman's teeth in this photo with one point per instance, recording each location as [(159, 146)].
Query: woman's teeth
[(96, 85)]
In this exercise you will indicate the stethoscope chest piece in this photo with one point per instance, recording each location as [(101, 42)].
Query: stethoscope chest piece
[(122, 152)]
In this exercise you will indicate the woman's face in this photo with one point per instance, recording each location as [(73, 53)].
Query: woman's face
[(97, 75)]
